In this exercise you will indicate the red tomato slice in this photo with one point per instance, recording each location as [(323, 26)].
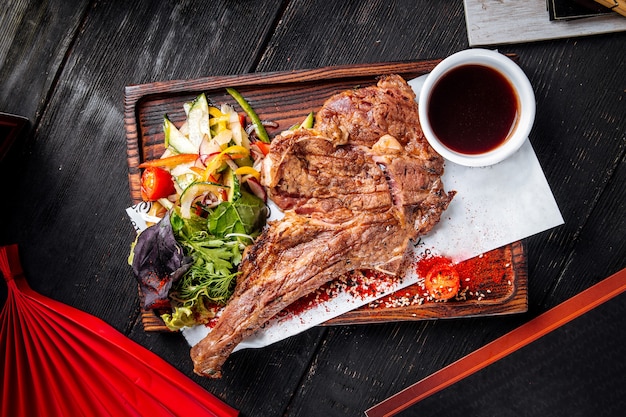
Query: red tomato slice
[(442, 282), (156, 183)]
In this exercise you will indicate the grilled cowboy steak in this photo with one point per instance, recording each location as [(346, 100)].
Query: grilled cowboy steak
[(352, 201)]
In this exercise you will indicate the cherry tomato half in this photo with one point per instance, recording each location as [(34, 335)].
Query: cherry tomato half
[(156, 183), (442, 282)]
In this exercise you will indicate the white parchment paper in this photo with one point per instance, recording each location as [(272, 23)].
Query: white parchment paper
[(494, 206)]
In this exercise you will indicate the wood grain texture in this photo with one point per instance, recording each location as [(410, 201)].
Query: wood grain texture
[(318, 33), (286, 98), (68, 189), (34, 40), (579, 139), (504, 291)]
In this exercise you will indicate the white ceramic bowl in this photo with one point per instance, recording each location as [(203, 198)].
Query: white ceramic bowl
[(517, 79)]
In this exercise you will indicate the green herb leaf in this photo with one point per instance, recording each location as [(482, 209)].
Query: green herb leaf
[(245, 215)]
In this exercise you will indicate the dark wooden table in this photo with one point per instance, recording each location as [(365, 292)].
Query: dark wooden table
[(64, 65)]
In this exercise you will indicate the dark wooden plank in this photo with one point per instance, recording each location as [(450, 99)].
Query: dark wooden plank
[(579, 139), (34, 39), (601, 245), (67, 212), (318, 33)]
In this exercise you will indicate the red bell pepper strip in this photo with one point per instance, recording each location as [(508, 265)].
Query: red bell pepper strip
[(263, 147)]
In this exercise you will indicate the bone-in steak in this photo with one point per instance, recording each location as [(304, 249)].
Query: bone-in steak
[(355, 191)]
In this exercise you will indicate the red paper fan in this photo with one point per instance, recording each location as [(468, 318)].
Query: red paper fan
[(60, 361)]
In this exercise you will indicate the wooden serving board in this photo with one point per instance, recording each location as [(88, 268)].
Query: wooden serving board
[(286, 98)]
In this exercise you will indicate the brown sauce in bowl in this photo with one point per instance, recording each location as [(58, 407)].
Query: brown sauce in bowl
[(472, 109)]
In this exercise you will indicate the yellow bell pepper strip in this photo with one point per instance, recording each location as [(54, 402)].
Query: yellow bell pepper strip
[(236, 152), (215, 112), (248, 171), (200, 173), (258, 126), (233, 152), (218, 120), (197, 170), (170, 161)]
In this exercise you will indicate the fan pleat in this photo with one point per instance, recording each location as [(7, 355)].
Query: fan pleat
[(45, 398), (103, 378), (60, 361), (66, 365)]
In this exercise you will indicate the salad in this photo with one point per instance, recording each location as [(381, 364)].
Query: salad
[(207, 205)]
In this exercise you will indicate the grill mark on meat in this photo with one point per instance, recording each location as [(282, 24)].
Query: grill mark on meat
[(392, 186), (355, 192)]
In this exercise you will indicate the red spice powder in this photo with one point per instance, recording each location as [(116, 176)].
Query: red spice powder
[(485, 277), (360, 284), (488, 276), (427, 263), (490, 266)]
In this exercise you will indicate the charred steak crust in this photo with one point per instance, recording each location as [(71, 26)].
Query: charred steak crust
[(311, 174), (355, 191), (362, 116)]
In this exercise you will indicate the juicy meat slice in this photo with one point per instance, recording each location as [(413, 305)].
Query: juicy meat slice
[(292, 258), (351, 202), (308, 173)]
